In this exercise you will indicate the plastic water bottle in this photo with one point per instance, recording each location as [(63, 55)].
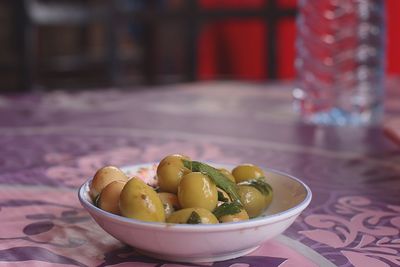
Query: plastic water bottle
[(340, 61)]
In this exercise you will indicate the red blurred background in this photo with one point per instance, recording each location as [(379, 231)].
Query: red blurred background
[(247, 42), (46, 44)]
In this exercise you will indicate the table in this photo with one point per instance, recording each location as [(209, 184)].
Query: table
[(52, 142)]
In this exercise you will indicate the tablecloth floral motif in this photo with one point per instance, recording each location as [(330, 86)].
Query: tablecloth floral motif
[(366, 233), (66, 235), (52, 142)]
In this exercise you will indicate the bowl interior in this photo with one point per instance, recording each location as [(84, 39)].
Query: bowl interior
[(289, 192)]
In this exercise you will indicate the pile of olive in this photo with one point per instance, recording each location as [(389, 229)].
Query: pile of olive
[(188, 192)]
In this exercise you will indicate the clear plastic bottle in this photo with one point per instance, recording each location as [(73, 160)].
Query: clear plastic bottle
[(340, 61)]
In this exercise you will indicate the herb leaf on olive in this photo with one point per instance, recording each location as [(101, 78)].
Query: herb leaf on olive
[(194, 218), (259, 184), (221, 197), (218, 178), (228, 208)]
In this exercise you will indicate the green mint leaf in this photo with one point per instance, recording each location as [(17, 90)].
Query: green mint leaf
[(216, 176), (260, 184), (194, 218), (221, 197), (187, 164), (227, 208)]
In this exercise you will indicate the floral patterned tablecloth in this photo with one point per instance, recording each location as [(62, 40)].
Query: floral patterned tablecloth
[(52, 142)]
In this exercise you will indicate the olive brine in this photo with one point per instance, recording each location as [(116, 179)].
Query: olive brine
[(187, 192)]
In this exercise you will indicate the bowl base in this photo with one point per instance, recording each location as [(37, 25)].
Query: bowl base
[(198, 259)]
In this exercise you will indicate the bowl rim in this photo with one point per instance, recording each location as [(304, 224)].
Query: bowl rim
[(261, 220)]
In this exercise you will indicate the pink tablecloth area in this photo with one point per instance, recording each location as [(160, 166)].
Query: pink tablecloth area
[(52, 142)]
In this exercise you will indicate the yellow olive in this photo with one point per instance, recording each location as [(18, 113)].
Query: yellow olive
[(170, 172), (196, 190), (173, 158), (241, 216), (109, 197), (140, 201), (183, 215), (246, 172), (170, 202), (103, 177), (227, 174), (254, 202)]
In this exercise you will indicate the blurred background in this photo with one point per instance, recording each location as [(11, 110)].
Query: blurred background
[(47, 44)]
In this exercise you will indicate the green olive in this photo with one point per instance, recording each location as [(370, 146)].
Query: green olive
[(254, 202), (140, 201), (174, 158), (196, 190), (109, 197), (169, 173), (227, 174), (247, 172), (170, 202), (183, 215), (241, 216), (103, 177)]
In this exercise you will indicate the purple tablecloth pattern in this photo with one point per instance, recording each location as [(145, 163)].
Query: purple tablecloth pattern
[(52, 142)]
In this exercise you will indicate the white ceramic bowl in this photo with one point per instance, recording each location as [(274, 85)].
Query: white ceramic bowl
[(205, 243)]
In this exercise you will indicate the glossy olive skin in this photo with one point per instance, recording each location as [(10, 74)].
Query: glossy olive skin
[(196, 190), (227, 174), (109, 197), (254, 202), (103, 177), (170, 172), (247, 172), (182, 216), (241, 216), (173, 158), (170, 202), (140, 201)]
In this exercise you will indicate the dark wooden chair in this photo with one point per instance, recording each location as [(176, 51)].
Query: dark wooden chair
[(34, 14), (150, 17)]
